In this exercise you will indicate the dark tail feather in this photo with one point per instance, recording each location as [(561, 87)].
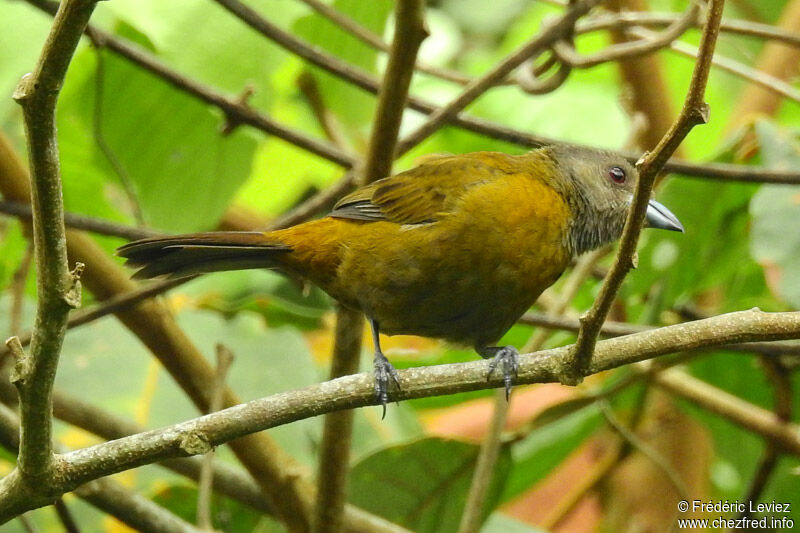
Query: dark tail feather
[(186, 255)]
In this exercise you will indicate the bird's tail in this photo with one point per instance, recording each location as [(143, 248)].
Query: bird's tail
[(198, 253)]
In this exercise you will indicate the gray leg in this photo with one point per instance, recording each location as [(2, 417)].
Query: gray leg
[(383, 370), (505, 357)]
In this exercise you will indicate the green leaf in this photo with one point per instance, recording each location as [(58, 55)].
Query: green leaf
[(711, 255), (546, 447), (183, 171), (227, 515), (423, 485), (353, 106), (23, 30), (775, 209), (736, 450), (234, 58)]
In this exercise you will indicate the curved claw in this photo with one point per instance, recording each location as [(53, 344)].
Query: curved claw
[(507, 358), (383, 371)]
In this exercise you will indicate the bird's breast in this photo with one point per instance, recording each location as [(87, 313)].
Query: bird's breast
[(466, 277)]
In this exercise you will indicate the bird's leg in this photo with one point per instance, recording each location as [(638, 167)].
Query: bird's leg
[(505, 357), (383, 370)]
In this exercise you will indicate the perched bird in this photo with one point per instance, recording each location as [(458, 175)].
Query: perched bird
[(457, 248)]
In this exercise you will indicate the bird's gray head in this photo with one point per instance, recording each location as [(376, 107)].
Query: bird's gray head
[(599, 186)]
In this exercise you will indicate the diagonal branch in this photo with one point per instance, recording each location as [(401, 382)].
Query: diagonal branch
[(550, 33), (130, 508), (197, 435), (695, 111), (58, 289), (717, 171)]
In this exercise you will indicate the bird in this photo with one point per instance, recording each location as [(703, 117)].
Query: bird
[(455, 248)]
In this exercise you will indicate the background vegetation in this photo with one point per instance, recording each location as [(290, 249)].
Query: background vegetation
[(150, 155)]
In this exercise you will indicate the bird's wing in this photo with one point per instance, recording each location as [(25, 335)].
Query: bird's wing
[(425, 193)]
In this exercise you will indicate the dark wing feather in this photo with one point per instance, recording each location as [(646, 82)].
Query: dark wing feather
[(425, 193)]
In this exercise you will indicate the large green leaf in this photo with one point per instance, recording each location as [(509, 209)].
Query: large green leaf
[(206, 42), (227, 515), (23, 30), (774, 239), (423, 485), (353, 106), (183, 172)]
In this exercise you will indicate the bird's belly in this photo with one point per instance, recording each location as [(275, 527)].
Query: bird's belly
[(449, 286)]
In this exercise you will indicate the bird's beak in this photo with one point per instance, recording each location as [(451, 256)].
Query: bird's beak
[(658, 216)]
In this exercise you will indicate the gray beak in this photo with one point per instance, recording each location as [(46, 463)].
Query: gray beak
[(658, 216)]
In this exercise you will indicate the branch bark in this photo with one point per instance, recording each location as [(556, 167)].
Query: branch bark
[(481, 126), (58, 289), (335, 454), (695, 111), (197, 435)]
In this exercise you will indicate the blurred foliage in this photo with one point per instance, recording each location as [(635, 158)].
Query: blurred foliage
[(166, 153)]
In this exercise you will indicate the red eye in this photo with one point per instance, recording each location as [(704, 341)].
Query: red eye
[(616, 174)]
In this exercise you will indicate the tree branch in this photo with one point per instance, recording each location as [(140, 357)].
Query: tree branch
[(58, 289), (695, 111), (548, 35), (481, 126), (784, 435), (197, 435), (136, 511), (82, 222), (335, 453)]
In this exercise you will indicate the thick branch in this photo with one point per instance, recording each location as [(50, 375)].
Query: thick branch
[(58, 290), (695, 111), (195, 436), (132, 509)]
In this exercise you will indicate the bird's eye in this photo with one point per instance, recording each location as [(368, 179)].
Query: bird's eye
[(617, 175)]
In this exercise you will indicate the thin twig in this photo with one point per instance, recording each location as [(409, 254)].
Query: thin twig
[(726, 405), (626, 19), (549, 34), (112, 305), (197, 435), (615, 329), (645, 449), (205, 484), (335, 453), (319, 202), (236, 110), (374, 40), (781, 379), (695, 111), (566, 52), (473, 514), (102, 144), (58, 289), (107, 495), (717, 171), (337, 430), (65, 517), (762, 79), (327, 120), (82, 222)]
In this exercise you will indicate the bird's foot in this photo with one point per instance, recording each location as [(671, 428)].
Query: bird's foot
[(383, 371), (505, 358)]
